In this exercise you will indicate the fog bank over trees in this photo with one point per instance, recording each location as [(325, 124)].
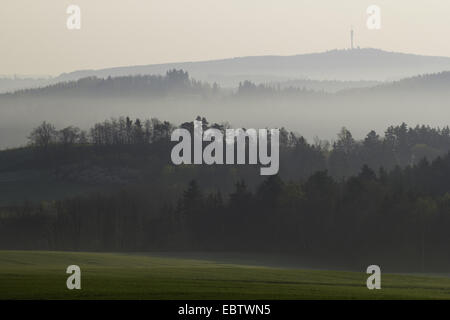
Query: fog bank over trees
[(176, 97)]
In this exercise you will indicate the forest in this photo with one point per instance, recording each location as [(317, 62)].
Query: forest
[(346, 203)]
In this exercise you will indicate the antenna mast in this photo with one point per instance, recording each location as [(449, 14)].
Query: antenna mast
[(351, 38)]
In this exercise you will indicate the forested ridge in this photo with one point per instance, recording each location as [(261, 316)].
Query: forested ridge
[(384, 199), (343, 157)]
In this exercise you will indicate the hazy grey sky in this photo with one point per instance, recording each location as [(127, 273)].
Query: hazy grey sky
[(35, 39)]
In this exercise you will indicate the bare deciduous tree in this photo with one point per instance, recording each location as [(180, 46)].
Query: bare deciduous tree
[(43, 136)]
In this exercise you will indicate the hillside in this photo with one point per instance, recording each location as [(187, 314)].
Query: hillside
[(427, 84), (357, 64), (378, 199), (345, 65)]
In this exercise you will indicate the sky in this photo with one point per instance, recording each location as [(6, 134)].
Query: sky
[(35, 39)]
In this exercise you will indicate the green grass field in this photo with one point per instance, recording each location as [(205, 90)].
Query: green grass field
[(41, 275)]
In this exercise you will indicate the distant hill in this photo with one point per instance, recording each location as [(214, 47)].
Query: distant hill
[(176, 82), (432, 83), (330, 86), (437, 81), (357, 64), (345, 65)]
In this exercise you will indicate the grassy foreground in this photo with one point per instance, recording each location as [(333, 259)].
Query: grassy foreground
[(41, 275)]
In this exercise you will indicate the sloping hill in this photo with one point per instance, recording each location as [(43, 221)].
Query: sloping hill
[(346, 65), (357, 64)]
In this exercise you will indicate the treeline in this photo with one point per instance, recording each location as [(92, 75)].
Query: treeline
[(120, 131), (250, 89), (399, 146), (178, 82), (398, 219), (431, 81), (174, 81)]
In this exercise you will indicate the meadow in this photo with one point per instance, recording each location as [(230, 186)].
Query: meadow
[(42, 275)]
